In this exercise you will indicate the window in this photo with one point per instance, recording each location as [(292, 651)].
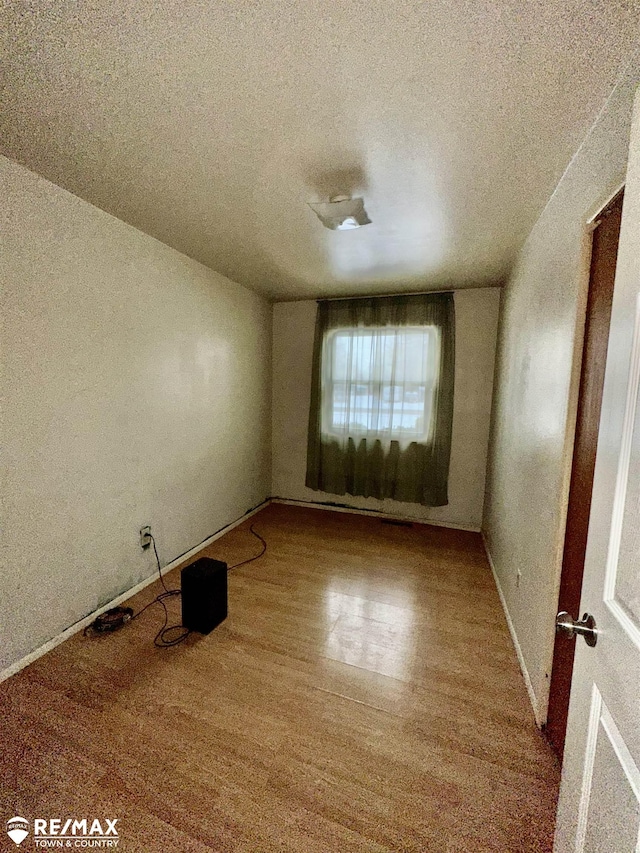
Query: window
[(380, 383), (381, 404)]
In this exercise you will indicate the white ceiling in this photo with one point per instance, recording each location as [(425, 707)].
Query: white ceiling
[(210, 125)]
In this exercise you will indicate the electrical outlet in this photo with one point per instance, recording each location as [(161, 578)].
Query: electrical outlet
[(518, 578), (145, 536)]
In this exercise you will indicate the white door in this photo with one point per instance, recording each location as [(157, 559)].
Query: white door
[(599, 809)]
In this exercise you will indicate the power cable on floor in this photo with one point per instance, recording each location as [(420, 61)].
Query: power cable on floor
[(118, 616)]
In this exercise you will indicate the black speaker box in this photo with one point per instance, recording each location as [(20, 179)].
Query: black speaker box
[(204, 595)]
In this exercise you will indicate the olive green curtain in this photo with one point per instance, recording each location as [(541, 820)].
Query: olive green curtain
[(417, 473)]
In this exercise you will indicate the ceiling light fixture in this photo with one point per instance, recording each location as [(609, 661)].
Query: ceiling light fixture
[(341, 213)]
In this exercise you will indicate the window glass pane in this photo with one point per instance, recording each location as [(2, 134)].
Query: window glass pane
[(380, 382), (340, 356)]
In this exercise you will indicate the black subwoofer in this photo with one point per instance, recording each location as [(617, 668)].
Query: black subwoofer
[(204, 595)]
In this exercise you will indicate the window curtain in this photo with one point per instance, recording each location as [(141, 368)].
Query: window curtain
[(368, 381)]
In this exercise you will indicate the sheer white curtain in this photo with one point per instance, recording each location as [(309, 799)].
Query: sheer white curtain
[(379, 384)]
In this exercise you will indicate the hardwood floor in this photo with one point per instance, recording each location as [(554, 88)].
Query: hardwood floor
[(363, 695)]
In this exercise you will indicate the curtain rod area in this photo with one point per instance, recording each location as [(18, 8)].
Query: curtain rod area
[(389, 295)]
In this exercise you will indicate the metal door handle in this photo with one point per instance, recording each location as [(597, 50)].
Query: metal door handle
[(566, 624)]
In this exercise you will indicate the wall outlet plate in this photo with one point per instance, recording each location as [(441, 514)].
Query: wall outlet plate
[(145, 536)]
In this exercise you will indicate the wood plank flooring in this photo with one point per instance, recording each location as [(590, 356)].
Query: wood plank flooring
[(363, 695)]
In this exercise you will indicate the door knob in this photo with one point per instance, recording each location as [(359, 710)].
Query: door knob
[(567, 625)]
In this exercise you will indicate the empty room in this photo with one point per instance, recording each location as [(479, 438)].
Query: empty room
[(321, 467)]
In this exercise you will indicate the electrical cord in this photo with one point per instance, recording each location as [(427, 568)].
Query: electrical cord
[(257, 556), (163, 638), (155, 551)]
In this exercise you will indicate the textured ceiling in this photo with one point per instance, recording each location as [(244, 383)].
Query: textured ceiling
[(210, 125)]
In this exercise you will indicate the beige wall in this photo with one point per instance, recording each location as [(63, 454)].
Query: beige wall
[(136, 391), (476, 322), (536, 386)]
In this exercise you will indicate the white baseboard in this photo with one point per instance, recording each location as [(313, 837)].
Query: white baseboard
[(375, 513), (87, 620), (514, 637)]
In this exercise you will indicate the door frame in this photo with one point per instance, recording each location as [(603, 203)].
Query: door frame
[(590, 223)]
